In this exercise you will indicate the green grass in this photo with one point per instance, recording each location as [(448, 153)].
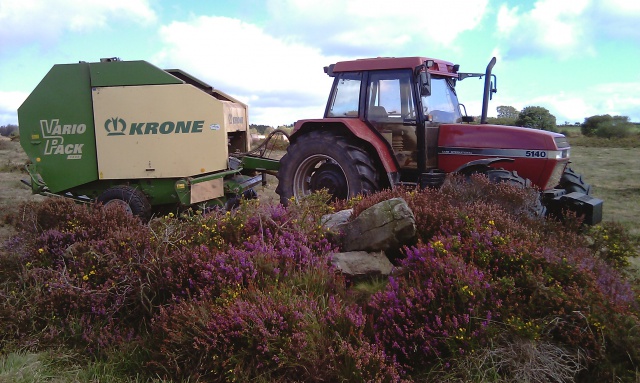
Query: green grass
[(25, 367), (596, 142), (63, 366), (614, 174)]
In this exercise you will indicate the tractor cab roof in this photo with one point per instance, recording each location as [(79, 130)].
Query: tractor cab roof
[(439, 67)]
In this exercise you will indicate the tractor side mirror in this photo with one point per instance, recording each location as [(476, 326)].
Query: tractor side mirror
[(425, 83), (468, 119)]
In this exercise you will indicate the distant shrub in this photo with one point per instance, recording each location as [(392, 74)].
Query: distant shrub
[(613, 131), (606, 126), (536, 117), (9, 130)]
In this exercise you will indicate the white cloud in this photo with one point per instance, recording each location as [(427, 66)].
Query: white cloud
[(556, 26), (508, 19), (565, 107), (42, 21), (622, 99), (615, 19), (9, 103), (566, 28), (282, 80), (278, 65), (375, 27)]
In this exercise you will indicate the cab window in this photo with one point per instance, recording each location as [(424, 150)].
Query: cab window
[(442, 105), (390, 98), (346, 96)]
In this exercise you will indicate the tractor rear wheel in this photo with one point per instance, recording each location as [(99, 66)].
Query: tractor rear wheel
[(128, 198), (572, 182), (536, 209), (323, 160)]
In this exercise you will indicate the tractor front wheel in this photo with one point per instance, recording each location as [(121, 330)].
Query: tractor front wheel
[(323, 160), (572, 182), (536, 208), (128, 198)]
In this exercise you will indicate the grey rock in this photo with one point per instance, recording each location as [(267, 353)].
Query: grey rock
[(387, 225), (362, 264), (336, 222)]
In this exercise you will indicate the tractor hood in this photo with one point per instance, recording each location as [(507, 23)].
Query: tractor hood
[(499, 136), (537, 154)]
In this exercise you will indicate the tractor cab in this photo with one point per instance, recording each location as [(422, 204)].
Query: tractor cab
[(404, 100)]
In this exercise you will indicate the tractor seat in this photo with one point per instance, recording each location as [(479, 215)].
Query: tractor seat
[(377, 113)]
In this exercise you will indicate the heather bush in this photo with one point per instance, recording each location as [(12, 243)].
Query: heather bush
[(250, 295), (613, 244), (81, 271), (94, 276), (439, 309), (272, 335), (547, 281), (434, 209)]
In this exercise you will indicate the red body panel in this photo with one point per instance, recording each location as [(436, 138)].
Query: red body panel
[(441, 67), (359, 128), (459, 144), (496, 136)]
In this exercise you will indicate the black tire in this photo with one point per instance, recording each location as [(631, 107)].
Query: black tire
[(129, 198), (502, 175), (324, 160), (537, 209), (572, 182)]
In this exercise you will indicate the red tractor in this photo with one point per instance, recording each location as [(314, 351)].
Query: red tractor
[(397, 121)]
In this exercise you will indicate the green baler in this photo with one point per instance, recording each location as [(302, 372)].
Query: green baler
[(129, 133)]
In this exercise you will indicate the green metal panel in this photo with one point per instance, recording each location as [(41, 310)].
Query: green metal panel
[(123, 73), (260, 163), (57, 129)]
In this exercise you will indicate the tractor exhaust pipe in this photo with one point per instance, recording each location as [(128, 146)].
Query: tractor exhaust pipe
[(487, 91)]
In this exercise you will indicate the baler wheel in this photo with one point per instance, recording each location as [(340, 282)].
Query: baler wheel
[(572, 182), (325, 160), (130, 199)]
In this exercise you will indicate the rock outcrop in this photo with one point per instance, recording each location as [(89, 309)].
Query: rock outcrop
[(366, 240)]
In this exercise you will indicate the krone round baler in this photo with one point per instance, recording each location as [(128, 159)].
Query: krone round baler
[(129, 133)]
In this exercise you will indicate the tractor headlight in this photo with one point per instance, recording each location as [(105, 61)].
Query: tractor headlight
[(559, 154)]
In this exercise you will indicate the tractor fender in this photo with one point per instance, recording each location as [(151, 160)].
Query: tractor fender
[(479, 166), (353, 127)]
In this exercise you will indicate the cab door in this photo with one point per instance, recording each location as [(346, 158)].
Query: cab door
[(391, 110)]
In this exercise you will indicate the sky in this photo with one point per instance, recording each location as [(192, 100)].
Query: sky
[(577, 58)]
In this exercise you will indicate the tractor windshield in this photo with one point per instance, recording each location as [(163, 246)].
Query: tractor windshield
[(442, 105)]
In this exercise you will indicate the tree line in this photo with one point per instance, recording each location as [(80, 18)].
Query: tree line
[(8, 130), (537, 117)]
